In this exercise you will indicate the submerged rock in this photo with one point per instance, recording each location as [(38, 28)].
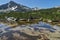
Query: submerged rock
[(17, 35)]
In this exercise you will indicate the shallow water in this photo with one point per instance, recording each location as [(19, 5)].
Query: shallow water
[(40, 25)]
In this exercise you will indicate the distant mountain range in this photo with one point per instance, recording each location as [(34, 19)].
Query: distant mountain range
[(13, 6)]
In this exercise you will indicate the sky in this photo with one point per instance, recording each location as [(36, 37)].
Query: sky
[(35, 3)]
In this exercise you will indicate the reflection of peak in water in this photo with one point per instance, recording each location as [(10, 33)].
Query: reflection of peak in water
[(42, 25)]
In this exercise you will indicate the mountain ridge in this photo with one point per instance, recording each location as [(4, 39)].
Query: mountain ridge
[(13, 6)]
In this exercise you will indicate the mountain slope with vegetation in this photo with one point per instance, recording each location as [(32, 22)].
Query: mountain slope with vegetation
[(21, 11), (51, 13)]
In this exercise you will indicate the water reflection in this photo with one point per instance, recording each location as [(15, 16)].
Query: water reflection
[(38, 26), (42, 25)]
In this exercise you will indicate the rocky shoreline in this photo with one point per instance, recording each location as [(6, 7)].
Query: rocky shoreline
[(40, 31)]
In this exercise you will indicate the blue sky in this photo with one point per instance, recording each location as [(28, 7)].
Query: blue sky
[(35, 3)]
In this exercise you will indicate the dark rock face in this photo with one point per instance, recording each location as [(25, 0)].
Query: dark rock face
[(11, 4), (17, 35)]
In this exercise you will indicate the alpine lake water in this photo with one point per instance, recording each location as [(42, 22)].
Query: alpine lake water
[(37, 26), (40, 25)]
